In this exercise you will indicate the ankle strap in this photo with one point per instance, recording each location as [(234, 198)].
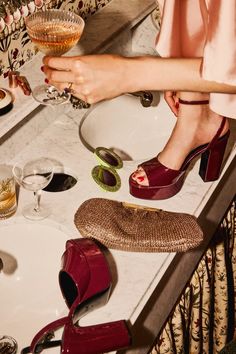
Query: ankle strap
[(193, 102)]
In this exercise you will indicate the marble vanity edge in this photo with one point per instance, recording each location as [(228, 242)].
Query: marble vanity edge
[(135, 11)]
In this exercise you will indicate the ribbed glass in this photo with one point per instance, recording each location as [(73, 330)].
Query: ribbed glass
[(54, 32)]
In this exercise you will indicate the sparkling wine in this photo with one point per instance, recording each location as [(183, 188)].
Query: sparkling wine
[(55, 38), (54, 32)]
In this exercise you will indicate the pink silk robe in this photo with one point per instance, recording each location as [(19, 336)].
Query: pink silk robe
[(207, 29)]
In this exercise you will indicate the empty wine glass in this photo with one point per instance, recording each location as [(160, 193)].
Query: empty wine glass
[(53, 32), (34, 175)]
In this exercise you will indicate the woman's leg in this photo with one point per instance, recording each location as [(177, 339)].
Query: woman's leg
[(196, 125)]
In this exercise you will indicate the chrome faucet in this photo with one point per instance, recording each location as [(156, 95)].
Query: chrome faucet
[(8, 345), (146, 97)]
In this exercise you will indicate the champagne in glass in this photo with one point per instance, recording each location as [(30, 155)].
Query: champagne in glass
[(54, 32)]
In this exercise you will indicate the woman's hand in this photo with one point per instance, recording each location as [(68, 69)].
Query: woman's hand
[(91, 78), (172, 101)]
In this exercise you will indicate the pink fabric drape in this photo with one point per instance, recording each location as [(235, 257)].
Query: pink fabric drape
[(207, 29)]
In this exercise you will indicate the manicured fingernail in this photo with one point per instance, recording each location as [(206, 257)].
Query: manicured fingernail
[(141, 179), (42, 68), (46, 80)]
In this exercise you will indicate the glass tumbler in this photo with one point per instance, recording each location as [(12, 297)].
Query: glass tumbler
[(8, 203)]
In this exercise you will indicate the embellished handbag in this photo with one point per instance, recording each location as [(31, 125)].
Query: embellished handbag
[(136, 228)]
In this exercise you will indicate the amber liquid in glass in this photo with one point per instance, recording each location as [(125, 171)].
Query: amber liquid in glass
[(55, 38), (7, 198)]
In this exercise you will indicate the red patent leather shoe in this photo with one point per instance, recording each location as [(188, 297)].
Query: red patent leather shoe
[(165, 182), (85, 274), (85, 282), (97, 339)]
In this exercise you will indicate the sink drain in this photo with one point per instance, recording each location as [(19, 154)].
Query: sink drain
[(60, 182)]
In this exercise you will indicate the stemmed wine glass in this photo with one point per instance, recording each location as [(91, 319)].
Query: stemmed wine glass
[(34, 175), (54, 32)]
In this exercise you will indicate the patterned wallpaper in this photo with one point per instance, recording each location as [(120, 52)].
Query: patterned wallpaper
[(15, 45)]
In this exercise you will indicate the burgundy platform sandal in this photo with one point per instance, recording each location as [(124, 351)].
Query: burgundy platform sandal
[(165, 182), (94, 339), (85, 275), (85, 282)]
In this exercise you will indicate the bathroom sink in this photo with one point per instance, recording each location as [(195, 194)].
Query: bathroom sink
[(123, 124), (30, 293)]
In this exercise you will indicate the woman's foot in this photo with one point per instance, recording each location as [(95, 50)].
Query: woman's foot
[(196, 125)]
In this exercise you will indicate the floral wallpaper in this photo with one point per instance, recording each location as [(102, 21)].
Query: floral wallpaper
[(15, 45)]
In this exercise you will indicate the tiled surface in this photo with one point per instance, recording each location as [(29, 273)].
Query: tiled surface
[(15, 47)]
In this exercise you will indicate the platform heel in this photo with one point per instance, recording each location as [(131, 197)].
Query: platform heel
[(85, 276), (85, 283), (97, 339), (212, 158), (165, 182)]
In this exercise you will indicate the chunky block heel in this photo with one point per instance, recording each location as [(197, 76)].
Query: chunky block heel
[(97, 339), (165, 182), (212, 158), (85, 283)]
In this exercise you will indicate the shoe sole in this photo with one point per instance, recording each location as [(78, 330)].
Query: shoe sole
[(156, 193)]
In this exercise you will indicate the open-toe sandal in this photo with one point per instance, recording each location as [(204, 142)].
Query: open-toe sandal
[(165, 182)]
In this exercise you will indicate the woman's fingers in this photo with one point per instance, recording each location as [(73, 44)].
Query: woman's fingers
[(65, 73), (61, 75), (56, 75), (97, 77), (76, 90), (59, 63), (172, 101)]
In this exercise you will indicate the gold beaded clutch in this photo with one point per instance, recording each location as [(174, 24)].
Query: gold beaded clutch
[(134, 228)]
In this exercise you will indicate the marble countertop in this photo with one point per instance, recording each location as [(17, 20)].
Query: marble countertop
[(135, 274)]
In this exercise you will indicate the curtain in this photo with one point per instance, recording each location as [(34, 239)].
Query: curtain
[(204, 319)]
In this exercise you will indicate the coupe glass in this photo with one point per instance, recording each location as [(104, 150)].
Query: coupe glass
[(34, 175), (53, 32)]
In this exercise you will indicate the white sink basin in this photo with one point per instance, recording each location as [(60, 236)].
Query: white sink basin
[(123, 124), (30, 293)]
